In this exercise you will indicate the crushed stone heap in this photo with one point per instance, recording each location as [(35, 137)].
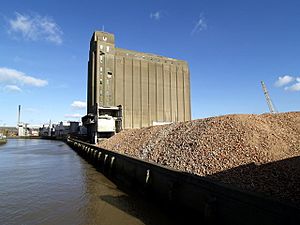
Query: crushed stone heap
[(259, 153)]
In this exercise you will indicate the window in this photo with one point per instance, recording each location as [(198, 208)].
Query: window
[(104, 38), (107, 48)]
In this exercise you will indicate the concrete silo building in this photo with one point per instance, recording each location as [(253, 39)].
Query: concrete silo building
[(151, 89)]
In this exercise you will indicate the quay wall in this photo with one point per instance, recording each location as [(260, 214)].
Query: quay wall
[(211, 202)]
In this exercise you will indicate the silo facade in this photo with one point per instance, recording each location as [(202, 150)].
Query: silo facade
[(151, 89)]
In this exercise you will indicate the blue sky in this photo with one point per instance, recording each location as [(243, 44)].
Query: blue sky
[(230, 46)]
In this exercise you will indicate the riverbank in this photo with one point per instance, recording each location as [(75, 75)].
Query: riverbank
[(23, 137), (38, 137)]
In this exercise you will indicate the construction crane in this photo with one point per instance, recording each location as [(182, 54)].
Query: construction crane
[(269, 101)]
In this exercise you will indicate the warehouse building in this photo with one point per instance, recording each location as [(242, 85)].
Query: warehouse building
[(149, 89)]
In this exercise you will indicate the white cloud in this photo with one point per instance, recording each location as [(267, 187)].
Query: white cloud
[(155, 15), (298, 79), (75, 115), (35, 27), (15, 76), (281, 81), (200, 25), (294, 87), (78, 105), (12, 88)]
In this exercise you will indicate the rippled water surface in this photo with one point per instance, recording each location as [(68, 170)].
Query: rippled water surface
[(46, 182)]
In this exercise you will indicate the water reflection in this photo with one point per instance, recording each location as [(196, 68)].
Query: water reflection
[(45, 182)]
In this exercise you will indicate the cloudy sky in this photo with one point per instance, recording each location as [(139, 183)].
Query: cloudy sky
[(230, 46)]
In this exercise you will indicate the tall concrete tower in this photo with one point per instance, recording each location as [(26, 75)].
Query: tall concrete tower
[(101, 70), (151, 89), (19, 114)]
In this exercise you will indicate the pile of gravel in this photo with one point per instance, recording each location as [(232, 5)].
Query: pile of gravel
[(254, 152)]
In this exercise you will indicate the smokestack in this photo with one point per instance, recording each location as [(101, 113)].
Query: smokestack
[(50, 125), (19, 114)]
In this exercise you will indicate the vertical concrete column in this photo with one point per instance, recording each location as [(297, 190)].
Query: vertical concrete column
[(152, 92), (141, 95), (119, 80), (136, 93), (167, 92), (101, 77), (128, 93), (148, 84), (174, 99), (89, 86), (159, 92), (94, 75), (183, 93), (187, 100), (180, 100), (115, 81)]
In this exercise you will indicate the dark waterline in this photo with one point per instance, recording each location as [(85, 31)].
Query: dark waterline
[(46, 182)]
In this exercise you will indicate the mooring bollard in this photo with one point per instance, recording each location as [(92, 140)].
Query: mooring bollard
[(112, 159), (147, 177), (111, 166), (105, 158), (95, 153)]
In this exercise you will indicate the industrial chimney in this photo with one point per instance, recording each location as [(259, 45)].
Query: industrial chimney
[(19, 114)]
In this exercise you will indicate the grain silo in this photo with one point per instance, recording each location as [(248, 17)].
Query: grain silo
[(151, 89)]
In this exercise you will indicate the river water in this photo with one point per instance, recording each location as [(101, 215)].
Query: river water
[(46, 182)]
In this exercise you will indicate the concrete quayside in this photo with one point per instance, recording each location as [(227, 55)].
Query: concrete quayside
[(194, 196)]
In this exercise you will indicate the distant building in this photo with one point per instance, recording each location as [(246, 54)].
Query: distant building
[(151, 89), (62, 129), (47, 130), (24, 129), (74, 127)]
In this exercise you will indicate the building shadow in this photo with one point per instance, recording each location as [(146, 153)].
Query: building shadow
[(148, 211), (278, 180)]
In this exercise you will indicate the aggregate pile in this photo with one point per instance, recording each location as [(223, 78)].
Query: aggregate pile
[(258, 153)]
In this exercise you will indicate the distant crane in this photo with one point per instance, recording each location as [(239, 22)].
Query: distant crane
[(269, 101)]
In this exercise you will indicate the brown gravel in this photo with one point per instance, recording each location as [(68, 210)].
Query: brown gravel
[(254, 152)]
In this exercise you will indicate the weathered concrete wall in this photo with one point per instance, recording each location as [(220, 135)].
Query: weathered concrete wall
[(210, 201), (150, 88)]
